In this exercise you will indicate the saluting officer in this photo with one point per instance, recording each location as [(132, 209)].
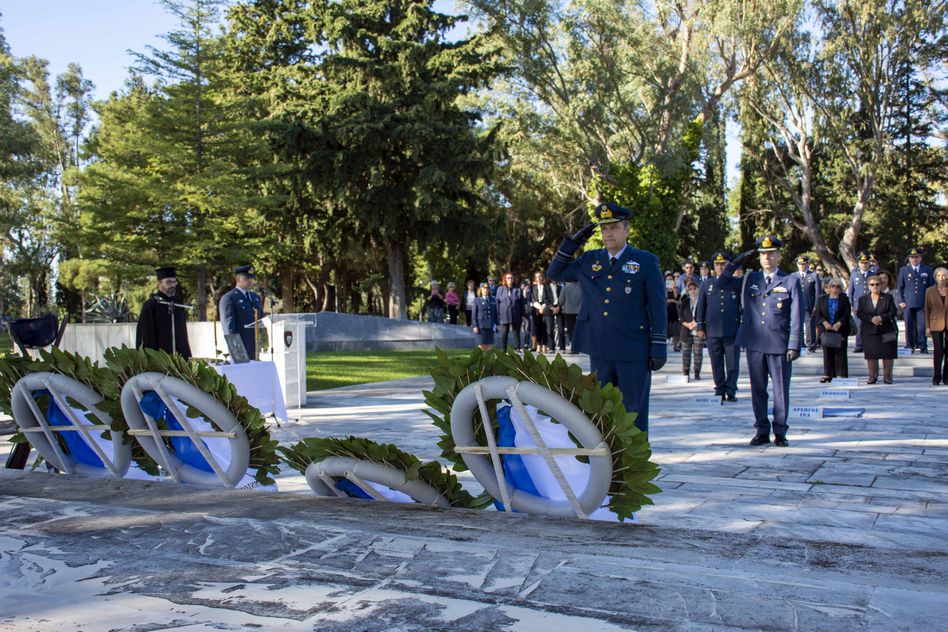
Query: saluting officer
[(622, 318), (812, 287), (241, 308), (914, 279), (858, 287), (719, 316), (770, 332)]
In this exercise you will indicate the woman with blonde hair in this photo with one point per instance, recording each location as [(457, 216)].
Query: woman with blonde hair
[(936, 323), (877, 313)]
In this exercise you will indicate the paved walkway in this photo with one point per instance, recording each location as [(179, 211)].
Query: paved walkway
[(847, 529)]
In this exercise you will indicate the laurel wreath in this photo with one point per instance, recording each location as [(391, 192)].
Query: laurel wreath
[(126, 363), (314, 450), (632, 470)]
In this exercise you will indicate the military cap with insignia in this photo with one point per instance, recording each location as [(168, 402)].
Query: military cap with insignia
[(610, 213), (165, 272), (915, 251), (247, 271), (863, 257), (803, 259), (719, 256), (769, 243), (704, 264)]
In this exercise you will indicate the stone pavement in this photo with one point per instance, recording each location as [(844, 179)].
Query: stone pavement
[(844, 530)]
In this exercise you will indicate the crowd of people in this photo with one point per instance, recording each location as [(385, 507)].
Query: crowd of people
[(868, 307), (521, 313)]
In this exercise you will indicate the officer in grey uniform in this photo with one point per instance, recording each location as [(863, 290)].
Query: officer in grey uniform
[(812, 287), (914, 279), (770, 332), (719, 316), (623, 317), (240, 308), (858, 286)]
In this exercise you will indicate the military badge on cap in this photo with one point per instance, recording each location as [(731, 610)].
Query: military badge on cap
[(720, 257), (863, 257), (803, 259), (768, 243), (610, 213), (246, 271), (915, 251)]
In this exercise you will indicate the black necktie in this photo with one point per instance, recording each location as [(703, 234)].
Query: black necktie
[(767, 278), (612, 262)]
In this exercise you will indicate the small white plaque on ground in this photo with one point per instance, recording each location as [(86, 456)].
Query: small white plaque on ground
[(677, 379), (845, 381), (836, 393), (708, 399), (805, 412)]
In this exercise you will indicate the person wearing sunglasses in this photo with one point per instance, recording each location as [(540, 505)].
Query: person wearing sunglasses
[(877, 312), (832, 313)]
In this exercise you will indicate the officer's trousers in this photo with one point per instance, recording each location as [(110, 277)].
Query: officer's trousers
[(633, 379), (725, 364), (773, 366), (810, 331), (858, 323), (915, 328)]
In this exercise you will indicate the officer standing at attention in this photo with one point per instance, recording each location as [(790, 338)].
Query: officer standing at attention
[(623, 317), (162, 323), (241, 308), (858, 286), (812, 287), (719, 316), (770, 332), (914, 279)]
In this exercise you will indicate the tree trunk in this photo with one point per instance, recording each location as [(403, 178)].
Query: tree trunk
[(201, 292), (395, 258), (847, 245), (287, 278), (316, 287)]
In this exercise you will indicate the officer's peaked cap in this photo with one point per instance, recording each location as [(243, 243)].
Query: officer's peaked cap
[(610, 213)]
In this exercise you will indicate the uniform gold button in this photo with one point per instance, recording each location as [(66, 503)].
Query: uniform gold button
[(605, 313), (609, 277), (608, 289), (607, 301)]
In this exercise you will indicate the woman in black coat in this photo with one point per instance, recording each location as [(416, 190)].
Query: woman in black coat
[(877, 312), (831, 314)]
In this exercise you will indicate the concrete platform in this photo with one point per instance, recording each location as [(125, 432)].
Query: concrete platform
[(845, 530)]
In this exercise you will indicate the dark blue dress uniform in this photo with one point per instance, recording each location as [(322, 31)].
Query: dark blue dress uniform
[(912, 283), (622, 319), (771, 325), (484, 317), (719, 316), (811, 287), (858, 287), (238, 309)]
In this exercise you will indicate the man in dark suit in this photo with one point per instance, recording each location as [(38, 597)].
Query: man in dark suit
[(718, 317), (812, 287), (623, 316), (858, 287), (241, 308), (914, 279), (162, 323), (770, 332)]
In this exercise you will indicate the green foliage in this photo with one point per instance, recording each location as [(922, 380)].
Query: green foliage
[(314, 450), (127, 363), (632, 469), (12, 368)]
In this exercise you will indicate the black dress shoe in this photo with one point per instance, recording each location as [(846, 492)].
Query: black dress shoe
[(730, 397), (825, 379), (936, 380), (760, 440), (781, 441), (857, 350)]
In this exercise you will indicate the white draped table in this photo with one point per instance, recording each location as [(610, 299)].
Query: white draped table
[(259, 383)]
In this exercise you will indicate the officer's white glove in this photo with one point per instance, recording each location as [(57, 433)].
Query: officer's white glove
[(792, 354)]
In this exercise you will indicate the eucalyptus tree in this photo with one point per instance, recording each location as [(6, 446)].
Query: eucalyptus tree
[(617, 93)]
